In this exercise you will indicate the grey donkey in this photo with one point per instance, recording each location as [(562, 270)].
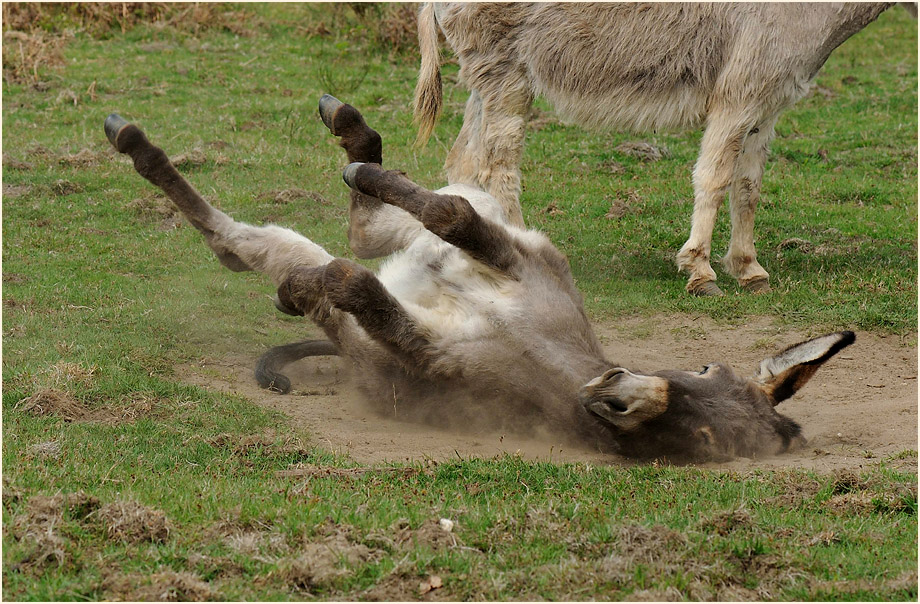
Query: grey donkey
[(731, 67), (475, 322)]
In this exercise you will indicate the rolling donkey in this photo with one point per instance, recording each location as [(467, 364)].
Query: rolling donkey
[(477, 323)]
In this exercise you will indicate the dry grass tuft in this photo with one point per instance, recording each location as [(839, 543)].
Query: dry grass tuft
[(648, 543), (131, 522), (279, 444), (39, 526), (286, 196), (64, 374), (35, 33), (101, 18), (165, 586), (83, 159), (394, 26), (53, 402), (25, 53), (321, 562), (725, 522), (397, 27), (154, 206)]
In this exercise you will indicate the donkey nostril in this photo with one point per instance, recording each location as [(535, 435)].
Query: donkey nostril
[(616, 404)]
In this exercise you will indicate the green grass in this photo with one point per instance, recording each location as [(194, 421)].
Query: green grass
[(102, 303)]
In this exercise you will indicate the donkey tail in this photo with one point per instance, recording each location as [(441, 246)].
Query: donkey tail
[(428, 94), (275, 359)]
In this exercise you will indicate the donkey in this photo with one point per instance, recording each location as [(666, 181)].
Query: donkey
[(732, 67), (475, 322)]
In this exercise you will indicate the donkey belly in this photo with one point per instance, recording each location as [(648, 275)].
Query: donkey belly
[(629, 108)]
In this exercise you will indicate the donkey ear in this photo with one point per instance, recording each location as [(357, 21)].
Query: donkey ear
[(783, 375)]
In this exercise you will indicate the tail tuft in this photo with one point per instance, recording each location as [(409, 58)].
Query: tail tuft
[(428, 91)]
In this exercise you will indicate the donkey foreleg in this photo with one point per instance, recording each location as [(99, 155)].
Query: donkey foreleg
[(741, 259), (450, 217)]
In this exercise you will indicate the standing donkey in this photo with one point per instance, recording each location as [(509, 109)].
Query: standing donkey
[(475, 322), (734, 67)]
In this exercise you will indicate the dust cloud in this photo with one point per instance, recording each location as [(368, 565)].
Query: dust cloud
[(860, 408)]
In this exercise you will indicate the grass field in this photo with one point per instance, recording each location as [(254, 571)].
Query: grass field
[(122, 481)]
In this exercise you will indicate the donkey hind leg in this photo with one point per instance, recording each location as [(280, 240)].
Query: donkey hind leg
[(375, 229), (462, 163), (501, 145), (270, 249), (719, 151), (350, 288), (741, 260)]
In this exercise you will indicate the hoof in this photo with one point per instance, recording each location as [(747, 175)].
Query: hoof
[(328, 105), (284, 308), (757, 286), (350, 173), (113, 125), (705, 289)]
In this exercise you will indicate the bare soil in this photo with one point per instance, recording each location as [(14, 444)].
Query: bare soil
[(860, 408)]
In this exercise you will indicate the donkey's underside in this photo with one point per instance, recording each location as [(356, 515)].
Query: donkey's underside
[(438, 321)]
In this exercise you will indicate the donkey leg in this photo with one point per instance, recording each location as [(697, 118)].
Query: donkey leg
[(462, 163), (375, 229), (741, 259), (450, 217), (501, 145), (270, 249), (722, 142), (350, 288)]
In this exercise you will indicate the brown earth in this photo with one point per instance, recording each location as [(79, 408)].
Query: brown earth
[(859, 409)]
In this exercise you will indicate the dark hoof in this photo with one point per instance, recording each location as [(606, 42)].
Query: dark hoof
[(705, 289), (328, 105), (284, 308), (113, 125), (350, 173), (757, 286)]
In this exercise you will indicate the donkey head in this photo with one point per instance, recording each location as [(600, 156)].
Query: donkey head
[(710, 413)]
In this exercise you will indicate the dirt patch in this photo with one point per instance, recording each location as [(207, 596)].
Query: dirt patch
[(859, 409)]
